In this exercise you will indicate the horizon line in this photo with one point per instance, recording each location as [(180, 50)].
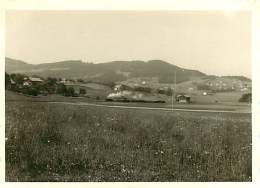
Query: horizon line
[(147, 61)]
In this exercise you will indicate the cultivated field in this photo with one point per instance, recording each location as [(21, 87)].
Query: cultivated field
[(59, 142)]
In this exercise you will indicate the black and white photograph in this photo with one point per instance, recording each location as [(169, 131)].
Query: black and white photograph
[(128, 96)]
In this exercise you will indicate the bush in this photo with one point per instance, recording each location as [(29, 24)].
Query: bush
[(143, 89), (70, 92), (61, 89), (167, 91), (7, 81), (18, 78), (50, 85), (80, 80), (203, 87), (247, 97), (82, 91), (31, 91)]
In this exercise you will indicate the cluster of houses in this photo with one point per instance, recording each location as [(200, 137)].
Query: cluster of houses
[(27, 82), (233, 85), (120, 92), (37, 82)]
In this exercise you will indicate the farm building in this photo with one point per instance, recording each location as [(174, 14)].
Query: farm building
[(12, 84), (63, 81), (183, 99), (32, 80), (12, 81), (35, 79)]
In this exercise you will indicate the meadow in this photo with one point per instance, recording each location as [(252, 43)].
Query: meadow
[(59, 142)]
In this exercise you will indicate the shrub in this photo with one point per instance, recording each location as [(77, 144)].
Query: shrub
[(30, 91), (70, 92), (143, 89), (82, 91), (7, 81), (167, 91), (247, 97), (203, 87), (61, 89)]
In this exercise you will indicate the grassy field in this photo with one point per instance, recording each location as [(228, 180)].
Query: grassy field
[(58, 142), (242, 107), (222, 97)]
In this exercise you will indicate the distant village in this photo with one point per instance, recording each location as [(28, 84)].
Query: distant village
[(123, 92)]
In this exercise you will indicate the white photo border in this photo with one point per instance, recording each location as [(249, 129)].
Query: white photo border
[(201, 5)]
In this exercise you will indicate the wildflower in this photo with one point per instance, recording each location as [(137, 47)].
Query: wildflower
[(123, 170)]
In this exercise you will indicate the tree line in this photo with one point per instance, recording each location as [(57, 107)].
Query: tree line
[(50, 85)]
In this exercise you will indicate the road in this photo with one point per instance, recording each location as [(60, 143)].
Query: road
[(151, 108)]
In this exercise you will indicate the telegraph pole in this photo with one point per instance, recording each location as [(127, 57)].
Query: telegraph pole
[(172, 99), (174, 87)]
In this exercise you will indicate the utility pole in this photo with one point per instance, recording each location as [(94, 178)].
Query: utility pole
[(174, 87), (172, 99)]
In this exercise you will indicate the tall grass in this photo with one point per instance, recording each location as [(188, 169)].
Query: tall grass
[(56, 142)]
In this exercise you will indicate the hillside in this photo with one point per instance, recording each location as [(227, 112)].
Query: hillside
[(13, 65), (110, 71), (154, 74)]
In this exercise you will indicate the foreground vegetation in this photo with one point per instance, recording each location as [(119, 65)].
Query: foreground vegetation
[(58, 142)]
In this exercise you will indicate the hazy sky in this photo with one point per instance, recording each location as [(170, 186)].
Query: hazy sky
[(212, 42)]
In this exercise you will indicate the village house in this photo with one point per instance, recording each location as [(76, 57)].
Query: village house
[(12, 84), (183, 99), (63, 81), (31, 80)]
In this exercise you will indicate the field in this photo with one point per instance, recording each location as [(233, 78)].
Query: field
[(240, 107), (59, 142)]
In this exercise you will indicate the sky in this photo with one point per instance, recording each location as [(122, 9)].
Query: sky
[(216, 43)]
